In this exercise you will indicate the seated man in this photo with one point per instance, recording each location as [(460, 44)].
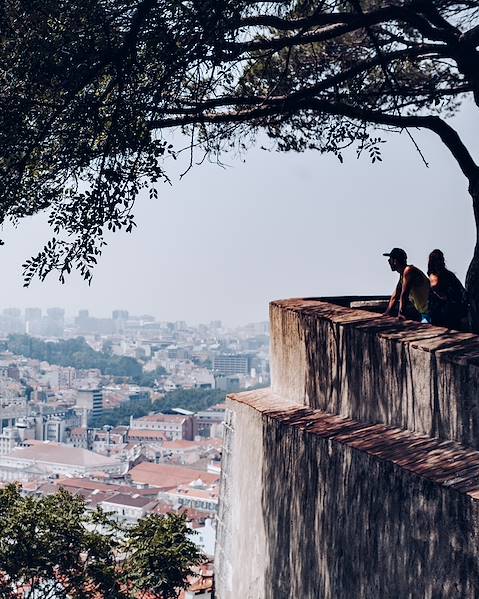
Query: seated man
[(410, 299)]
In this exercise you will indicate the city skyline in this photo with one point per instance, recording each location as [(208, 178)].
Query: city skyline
[(41, 312), (223, 242)]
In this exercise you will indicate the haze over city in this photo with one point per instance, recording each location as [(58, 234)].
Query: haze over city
[(222, 242)]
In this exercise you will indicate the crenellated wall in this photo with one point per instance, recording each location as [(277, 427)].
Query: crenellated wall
[(356, 476)]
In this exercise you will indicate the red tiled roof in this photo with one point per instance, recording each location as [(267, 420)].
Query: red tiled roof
[(79, 431), (166, 476), (86, 483), (72, 484), (181, 444)]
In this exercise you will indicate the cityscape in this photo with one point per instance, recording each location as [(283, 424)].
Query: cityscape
[(125, 411), (170, 173)]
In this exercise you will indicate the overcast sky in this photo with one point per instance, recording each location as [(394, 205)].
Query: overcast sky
[(223, 242)]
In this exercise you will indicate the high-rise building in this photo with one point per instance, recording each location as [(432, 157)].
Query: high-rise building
[(12, 312), (55, 322), (119, 320), (54, 430), (231, 364), (120, 314), (33, 321), (91, 400), (11, 321), (33, 314), (56, 314)]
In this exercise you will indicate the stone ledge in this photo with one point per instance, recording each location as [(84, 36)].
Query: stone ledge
[(445, 463), (457, 346)]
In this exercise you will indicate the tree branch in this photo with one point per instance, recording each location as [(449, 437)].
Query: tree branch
[(423, 52), (332, 25), (471, 37), (448, 135)]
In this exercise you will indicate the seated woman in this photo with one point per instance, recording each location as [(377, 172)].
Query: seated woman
[(448, 299)]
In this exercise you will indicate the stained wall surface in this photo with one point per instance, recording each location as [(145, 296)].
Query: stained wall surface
[(357, 474), (323, 507), (376, 369)]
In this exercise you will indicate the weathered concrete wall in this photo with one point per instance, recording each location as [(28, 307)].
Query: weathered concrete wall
[(376, 369), (316, 506), (241, 497), (357, 475)]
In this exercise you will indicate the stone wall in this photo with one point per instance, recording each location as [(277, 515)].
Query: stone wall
[(339, 482), (376, 369), (317, 506)]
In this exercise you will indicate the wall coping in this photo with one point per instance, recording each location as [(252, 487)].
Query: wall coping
[(445, 463), (455, 346)]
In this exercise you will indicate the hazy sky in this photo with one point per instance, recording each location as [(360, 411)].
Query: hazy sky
[(223, 242)]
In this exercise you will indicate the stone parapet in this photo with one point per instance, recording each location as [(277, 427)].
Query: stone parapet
[(375, 369), (357, 475), (317, 505)]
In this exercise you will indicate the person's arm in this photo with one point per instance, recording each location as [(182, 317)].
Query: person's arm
[(435, 286), (393, 300), (406, 287)]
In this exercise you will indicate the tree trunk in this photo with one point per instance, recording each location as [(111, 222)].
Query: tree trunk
[(472, 277)]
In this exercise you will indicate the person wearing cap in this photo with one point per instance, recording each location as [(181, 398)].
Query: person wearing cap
[(411, 296)]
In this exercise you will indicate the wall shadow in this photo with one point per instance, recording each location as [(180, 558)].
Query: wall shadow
[(341, 524), (401, 373)]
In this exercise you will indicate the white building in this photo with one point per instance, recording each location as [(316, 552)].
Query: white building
[(59, 377), (179, 451), (57, 459), (9, 439), (174, 427), (54, 430), (128, 508), (205, 537), (11, 409), (197, 495)]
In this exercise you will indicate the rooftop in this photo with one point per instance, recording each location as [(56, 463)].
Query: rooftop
[(162, 418), (140, 433), (134, 500), (57, 453), (166, 476), (181, 444)]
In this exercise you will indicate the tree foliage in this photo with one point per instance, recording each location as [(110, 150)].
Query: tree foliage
[(53, 547), (50, 547), (150, 378), (75, 353), (160, 555), (89, 91), (121, 414), (194, 400)]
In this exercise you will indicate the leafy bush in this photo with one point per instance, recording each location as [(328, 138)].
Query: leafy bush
[(55, 548)]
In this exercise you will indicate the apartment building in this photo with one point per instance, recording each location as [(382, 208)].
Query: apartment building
[(174, 427)]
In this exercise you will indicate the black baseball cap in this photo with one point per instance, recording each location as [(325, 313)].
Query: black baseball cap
[(397, 254)]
